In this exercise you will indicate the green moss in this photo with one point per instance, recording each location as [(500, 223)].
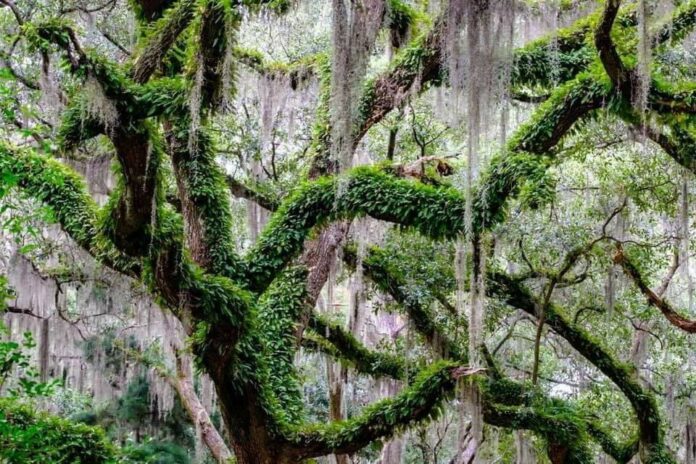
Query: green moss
[(435, 212), (205, 197), (642, 401), (64, 192)]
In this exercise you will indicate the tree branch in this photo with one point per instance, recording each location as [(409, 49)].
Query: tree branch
[(419, 402), (667, 310), (344, 346), (644, 406), (165, 33)]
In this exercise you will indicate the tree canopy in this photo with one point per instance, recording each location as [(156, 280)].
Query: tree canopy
[(509, 181)]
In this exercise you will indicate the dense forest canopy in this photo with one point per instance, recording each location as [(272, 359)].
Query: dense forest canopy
[(385, 231)]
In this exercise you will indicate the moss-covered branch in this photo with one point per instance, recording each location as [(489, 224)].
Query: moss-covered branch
[(435, 212), (375, 266), (56, 185), (334, 340), (160, 37), (204, 200), (279, 310), (421, 401)]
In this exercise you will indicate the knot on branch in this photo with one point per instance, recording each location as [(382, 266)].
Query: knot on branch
[(618, 257), (417, 169)]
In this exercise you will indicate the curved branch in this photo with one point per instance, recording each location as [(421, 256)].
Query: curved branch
[(605, 45), (240, 190), (375, 267), (435, 212), (419, 402), (335, 341), (667, 310)]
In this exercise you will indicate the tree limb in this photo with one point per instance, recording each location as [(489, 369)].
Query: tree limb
[(667, 310)]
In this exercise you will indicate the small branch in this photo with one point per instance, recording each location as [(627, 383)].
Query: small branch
[(241, 190), (15, 11)]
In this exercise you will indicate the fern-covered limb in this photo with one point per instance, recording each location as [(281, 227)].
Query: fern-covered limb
[(64, 192), (296, 72), (668, 99), (161, 36), (653, 449), (529, 152), (434, 212), (133, 205), (566, 440), (216, 27), (204, 201), (632, 271), (517, 405), (241, 190), (375, 267), (333, 339), (621, 452), (279, 309), (674, 137), (420, 401)]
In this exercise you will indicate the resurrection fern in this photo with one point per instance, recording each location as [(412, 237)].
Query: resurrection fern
[(248, 315)]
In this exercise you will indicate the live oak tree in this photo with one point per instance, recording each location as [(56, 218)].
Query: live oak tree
[(247, 315)]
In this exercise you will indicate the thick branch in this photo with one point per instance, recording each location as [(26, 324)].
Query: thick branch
[(164, 34), (346, 347), (605, 45), (376, 268), (204, 200), (241, 190), (419, 402)]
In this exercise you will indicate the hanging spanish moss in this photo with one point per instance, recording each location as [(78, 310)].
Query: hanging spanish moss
[(194, 103), (98, 106), (355, 27), (477, 71), (685, 245), (228, 66), (644, 56)]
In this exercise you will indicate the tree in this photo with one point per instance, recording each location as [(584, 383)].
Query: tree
[(248, 315)]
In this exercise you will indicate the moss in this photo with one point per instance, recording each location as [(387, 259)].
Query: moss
[(203, 192), (682, 23), (435, 212), (159, 36), (642, 401), (64, 192)]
